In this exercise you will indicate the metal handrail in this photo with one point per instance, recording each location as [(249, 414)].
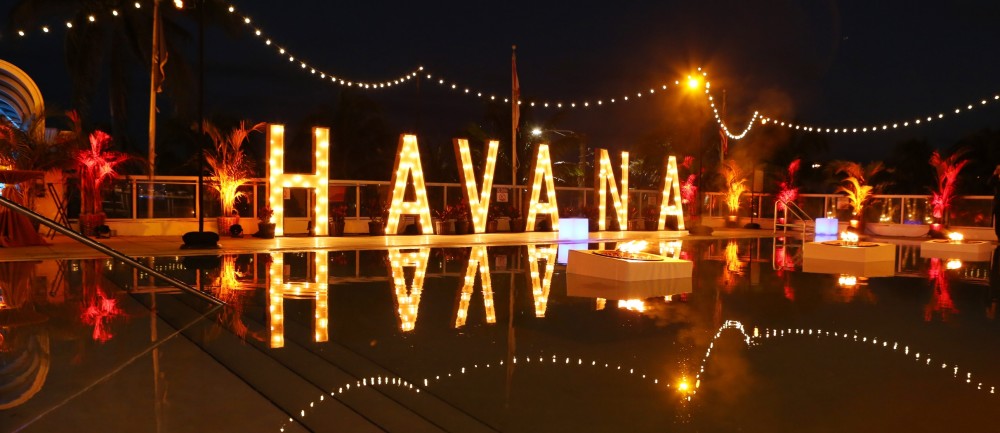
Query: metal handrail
[(796, 211), (106, 250)]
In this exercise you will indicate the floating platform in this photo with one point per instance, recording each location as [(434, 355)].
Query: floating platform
[(583, 286), (856, 268), (836, 251), (973, 251), (592, 264)]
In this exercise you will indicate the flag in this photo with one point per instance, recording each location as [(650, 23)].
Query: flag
[(159, 50), (724, 143), (515, 92)]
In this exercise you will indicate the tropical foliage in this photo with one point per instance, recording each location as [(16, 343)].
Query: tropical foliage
[(947, 173), (228, 163), (856, 183), (96, 165), (788, 191), (735, 183)]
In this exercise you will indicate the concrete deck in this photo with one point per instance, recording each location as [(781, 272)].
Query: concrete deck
[(62, 247)]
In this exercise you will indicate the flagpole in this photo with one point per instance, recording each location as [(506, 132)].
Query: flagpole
[(154, 79), (515, 97)]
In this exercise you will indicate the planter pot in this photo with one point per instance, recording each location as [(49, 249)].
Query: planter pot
[(463, 227), (517, 225), (444, 227), (265, 231), (491, 226), (732, 221), (376, 228), (89, 222), (337, 227), (636, 224), (224, 223)]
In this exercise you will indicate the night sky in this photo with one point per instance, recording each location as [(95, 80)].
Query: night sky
[(831, 63)]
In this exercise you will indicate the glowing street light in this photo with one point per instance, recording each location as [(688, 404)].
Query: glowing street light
[(693, 83)]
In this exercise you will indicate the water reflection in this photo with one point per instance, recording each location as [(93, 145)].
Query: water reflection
[(408, 297), (315, 286)]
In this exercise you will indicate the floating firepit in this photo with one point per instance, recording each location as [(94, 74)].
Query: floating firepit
[(956, 247), (627, 263), (848, 249)]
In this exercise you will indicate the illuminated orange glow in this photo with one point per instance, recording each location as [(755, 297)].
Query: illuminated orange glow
[(605, 178), (632, 305), (479, 200), (541, 170), (408, 299), (671, 249), (408, 164)]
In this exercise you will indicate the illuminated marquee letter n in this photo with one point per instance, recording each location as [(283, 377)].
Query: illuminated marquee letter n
[(541, 170), (605, 177), (278, 180), (408, 164)]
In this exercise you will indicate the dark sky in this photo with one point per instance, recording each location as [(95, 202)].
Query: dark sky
[(832, 63)]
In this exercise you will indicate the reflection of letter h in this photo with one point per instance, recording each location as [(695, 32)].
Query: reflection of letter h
[(278, 290), (278, 180)]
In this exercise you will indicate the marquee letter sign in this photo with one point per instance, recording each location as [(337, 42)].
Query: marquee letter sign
[(408, 301), (279, 180), (671, 183), (278, 290), (479, 201), (604, 177), (541, 169), (477, 259), (407, 164)]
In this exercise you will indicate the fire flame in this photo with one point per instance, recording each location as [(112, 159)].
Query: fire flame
[(849, 238), (955, 237), (633, 247)]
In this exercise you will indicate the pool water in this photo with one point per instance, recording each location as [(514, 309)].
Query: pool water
[(427, 340)]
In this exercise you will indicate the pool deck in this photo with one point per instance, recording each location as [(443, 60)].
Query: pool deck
[(62, 247)]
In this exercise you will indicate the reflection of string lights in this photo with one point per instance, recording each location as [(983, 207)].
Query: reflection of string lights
[(389, 381), (766, 334)]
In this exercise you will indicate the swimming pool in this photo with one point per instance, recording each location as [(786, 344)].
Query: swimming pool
[(405, 340)]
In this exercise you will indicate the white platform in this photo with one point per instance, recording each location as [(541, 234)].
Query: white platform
[(857, 268), (876, 252), (583, 286), (978, 251), (589, 263)]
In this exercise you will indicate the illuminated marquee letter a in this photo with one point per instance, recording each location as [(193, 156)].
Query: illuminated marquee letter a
[(541, 170), (278, 180), (407, 164)]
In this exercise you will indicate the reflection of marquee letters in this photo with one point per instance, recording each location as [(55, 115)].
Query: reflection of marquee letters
[(671, 183), (408, 163), (540, 285), (408, 301), (278, 290), (605, 177), (279, 180), (477, 260), (479, 201), (541, 170)]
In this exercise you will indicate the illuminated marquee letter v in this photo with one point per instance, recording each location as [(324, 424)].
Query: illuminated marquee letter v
[(479, 200), (407, 164), (278, 180)]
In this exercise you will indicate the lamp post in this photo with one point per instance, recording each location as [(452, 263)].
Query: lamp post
[(696, 227)]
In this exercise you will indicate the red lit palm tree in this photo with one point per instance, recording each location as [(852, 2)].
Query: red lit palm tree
[(787, 190), (947, 173), (96, 165)]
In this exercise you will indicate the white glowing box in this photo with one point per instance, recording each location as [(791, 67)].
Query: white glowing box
[(584, 286), (589, 263), (827, 226), (868, 252), (964, 250), (574, 229)]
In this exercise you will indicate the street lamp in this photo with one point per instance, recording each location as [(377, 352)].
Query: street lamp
[(697, 228)]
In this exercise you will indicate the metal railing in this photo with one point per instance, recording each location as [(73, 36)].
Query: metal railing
[(784, 208)]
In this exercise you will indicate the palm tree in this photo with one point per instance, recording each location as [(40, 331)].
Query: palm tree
[(735, 184), (858, 183), (228, 164), (947, 173)]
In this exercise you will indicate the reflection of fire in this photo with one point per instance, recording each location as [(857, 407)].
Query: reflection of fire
[(632, 305), (847, 281), (953, 264)]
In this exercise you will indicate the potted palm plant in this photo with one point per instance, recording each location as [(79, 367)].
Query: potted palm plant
[(337, 220), (230, 167), (735, 185), (95, 165), (947, 169)]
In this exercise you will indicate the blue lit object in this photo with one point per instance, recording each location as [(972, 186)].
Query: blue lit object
[(573, 229), (824, 238), (562, 254), (827, 226)]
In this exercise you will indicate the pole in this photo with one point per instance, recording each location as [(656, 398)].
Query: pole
[(154, 72), (515, 114), (201, 115)]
